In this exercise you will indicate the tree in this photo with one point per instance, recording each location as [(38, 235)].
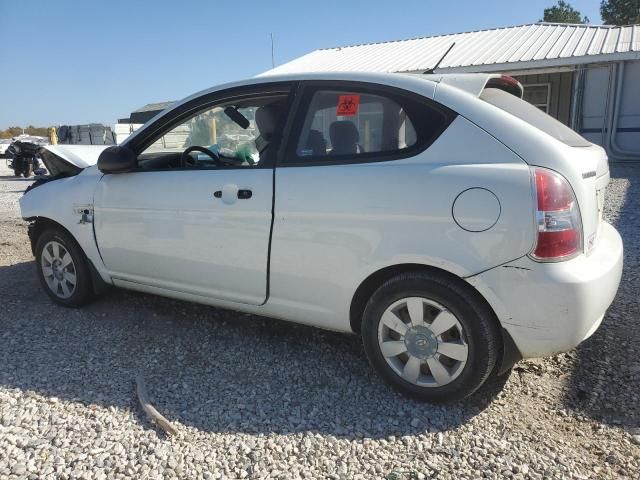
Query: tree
[(620, 12), (30, 130), (563, 12)]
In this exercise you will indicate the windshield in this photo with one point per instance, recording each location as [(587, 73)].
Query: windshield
[(534, 116)]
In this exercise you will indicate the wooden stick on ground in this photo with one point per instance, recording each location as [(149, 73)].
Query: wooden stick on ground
[(154, 415)]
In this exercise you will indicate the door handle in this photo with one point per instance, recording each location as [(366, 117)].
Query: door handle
[(240, 194)]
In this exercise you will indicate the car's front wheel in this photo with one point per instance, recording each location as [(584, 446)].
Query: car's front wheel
[(430, 336), (63, 269)]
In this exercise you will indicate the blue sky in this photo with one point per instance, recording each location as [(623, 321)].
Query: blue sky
[(69, 62)]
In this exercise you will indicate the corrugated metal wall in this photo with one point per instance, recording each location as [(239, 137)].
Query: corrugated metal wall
[(560, 92)]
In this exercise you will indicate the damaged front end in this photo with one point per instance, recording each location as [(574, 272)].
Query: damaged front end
[(56, 166), (63, 161)]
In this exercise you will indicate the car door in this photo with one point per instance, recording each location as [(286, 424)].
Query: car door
[(195, 224), (352, 189)]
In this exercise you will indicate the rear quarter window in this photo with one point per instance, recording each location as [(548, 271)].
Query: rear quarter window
[(534, 116), (346, 125)]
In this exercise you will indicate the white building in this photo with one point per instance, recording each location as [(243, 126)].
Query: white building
[(586, 76)]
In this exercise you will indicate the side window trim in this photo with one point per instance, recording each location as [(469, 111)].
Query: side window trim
[(173, 119), (298, 114)]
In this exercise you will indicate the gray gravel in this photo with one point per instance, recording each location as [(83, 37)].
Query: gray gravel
[(259, 398)]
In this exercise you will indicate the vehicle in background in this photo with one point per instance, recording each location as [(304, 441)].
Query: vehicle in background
[(24, 156), (123, 130), (452, 225), (4, 145)]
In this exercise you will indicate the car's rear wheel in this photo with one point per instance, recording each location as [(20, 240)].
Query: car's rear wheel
[(63, 269), (430, 336)]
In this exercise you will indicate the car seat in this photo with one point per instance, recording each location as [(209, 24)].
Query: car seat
[(316, 143), (344, 137), (267, 120)]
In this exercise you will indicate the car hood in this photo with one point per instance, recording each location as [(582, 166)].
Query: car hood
[(81, 156)]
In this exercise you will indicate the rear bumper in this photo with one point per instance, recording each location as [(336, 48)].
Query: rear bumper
[(549, 308)]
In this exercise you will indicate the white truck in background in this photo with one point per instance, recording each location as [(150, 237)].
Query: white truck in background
[(123, 130)]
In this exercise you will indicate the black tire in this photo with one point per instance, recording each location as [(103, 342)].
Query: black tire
[(479, 324), (17, 172), (28, 171), (83, 290)]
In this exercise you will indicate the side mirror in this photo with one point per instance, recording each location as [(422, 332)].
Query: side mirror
[(117, 159)]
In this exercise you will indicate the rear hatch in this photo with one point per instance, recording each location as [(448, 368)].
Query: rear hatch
[(582, 163)]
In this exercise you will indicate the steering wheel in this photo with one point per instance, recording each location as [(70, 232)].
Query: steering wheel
[(187, 161)]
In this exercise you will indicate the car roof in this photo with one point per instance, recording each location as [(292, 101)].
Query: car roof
[(424, 84), (460, 79), (367, 77)]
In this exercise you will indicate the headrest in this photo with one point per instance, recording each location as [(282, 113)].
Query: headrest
[(267, 118), (344, 137), (316, 143)]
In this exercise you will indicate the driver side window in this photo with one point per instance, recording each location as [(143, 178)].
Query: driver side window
[(240, 133)]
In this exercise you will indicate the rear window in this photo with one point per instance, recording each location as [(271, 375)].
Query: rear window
[(534, 116), (343, 123), (364, 124)]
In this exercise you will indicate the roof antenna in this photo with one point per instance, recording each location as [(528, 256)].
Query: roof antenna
[(273, 63), (433, 69)]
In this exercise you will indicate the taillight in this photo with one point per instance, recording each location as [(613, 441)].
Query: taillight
[(557, 217)]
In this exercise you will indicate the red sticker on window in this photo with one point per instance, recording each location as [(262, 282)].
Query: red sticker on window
[(348, 105)]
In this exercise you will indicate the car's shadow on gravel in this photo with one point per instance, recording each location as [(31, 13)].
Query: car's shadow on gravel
[(605, 382), (206, 368)]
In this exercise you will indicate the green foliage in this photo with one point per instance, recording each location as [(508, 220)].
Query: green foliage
[(563, 12), (620, 12), (30, 130)]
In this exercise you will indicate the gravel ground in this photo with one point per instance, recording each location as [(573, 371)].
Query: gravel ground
[(259, 398)]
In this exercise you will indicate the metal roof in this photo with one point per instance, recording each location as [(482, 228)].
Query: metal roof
[(154, 107), (147, 112), (522, 47)]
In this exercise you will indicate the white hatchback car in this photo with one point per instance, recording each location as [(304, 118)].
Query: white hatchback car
[(454, 226)]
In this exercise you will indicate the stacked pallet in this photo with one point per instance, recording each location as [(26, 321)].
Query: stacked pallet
[(90, 134)]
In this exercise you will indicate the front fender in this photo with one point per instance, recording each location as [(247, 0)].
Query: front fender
[(68, 202)]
